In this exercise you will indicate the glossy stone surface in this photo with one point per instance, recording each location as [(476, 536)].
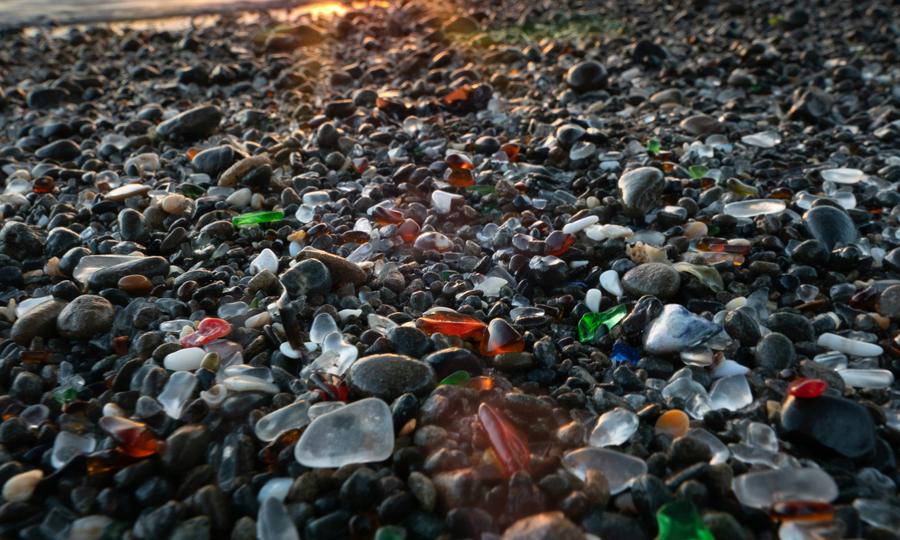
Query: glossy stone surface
[(361, 432), (501, 338), (679, 520), (257, 218), (614, 428), (451, 323), (209, 330), (829, 423), (590, 323), (510, 447), (830, 225)]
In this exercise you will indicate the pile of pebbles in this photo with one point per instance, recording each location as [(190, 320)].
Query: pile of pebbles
[(670, 230)]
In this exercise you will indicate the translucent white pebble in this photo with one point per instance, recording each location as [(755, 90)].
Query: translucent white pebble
[(275, 488), (266, 260), (176, 392), (754, 207), (273, 521), (614, 427), (730, 393), (867, 378), (842, 175), (763, 139), (849, 346), (579, 224), (361, 432), (620, 469), (68, 445), (294, 416), (322, 325)]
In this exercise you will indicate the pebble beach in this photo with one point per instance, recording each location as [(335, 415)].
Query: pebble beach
[(507, 270)]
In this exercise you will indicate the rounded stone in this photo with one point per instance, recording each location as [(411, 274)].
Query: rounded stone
[(586, 76), (652, 279), (409, 341), (20, 241), (388, 376), (830, 225), (641, 189), (742, 326), (85, 317), (546, 526), (889, 303), (775, 351), (308, 276)]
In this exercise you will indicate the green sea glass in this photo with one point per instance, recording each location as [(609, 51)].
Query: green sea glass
[(653, 146), (679, 520), (64, 395), (697, 171), (590, 323), (456, 378), (255, 218), (390, 532)]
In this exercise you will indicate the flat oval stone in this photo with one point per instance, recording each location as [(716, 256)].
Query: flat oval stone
[(653, 279), (109, 277), (830, 225), (832, 423), (85, 317), (388, 376)]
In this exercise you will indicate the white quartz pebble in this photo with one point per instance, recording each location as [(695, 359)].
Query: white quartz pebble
[(609, 280), (592, 299), (184, 359)]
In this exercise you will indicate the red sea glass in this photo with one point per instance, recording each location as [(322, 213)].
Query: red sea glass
[(501, 338), (209, 330), (508, 444), (460, 178), (134, 439), (409, 230), (43, 184), (558, 243), (459, 162), (451, 323), (807, 388)]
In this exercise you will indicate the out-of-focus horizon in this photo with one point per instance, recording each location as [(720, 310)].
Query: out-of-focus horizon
[(17, 13)]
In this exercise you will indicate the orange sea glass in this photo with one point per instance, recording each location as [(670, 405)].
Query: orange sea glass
[(674, 423), (451, 323), (385, 216)]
